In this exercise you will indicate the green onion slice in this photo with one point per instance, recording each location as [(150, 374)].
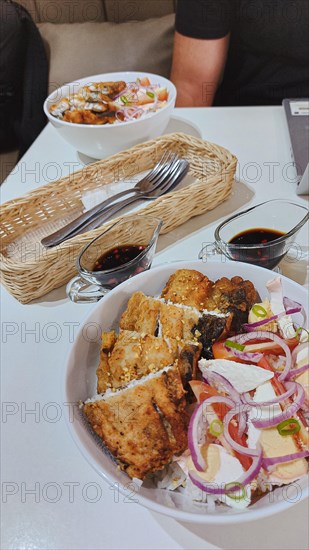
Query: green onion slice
[(235, 495), (299, 331), (259, 311), (216, 427), (124, 99), (284, 429), (150, 94), (234, 345)]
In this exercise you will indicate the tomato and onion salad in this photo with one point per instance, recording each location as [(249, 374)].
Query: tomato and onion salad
[(139, 98), (229, 427)]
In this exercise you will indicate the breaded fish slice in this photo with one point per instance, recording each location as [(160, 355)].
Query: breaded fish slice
[(108, 340), (177, 321), (188, 287), (135, 355), (141, 314), (235, 296), (143, 425), (146, 314), (131, 356)]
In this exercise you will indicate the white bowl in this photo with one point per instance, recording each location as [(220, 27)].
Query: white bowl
[(80, 383), (104, 140)]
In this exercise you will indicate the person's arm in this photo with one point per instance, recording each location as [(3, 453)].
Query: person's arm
[(197, 69)]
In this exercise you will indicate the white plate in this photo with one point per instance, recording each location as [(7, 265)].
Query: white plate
[(80, 383)]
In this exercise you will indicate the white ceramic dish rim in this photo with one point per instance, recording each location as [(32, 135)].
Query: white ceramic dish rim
[(97, 78), (232, 516)]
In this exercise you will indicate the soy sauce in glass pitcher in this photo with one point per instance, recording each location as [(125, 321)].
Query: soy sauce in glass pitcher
[(118, 256), (257, 235), (267, 257)]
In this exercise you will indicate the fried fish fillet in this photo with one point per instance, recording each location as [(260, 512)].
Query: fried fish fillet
[(235, 296), (188, 287), (141, 314), (132, 355), (154, 316), (87, 116), (143, 425)]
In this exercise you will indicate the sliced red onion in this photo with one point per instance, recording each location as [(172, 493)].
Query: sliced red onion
[(243, 480), (242, 423), (195, 421), (236, 446), (252, 326), (286, 458), (288, 303), (132, 112), (287, 413), (194, 437), (267, 335), (254, 469), (255, 357), (121, 93), (296, 372), (247, 398), (211, 488), (220, 382)]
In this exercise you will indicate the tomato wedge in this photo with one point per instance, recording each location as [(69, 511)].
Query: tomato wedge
[(145, 81), (162, 94), (202, 391), (221, 352)]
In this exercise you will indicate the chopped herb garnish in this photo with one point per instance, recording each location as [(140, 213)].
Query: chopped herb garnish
[(299, 333), (216, 427), (234, 345), (235, 495), (259, 311), (284, 428)]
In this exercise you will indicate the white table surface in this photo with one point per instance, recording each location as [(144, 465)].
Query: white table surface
[(51, 498)]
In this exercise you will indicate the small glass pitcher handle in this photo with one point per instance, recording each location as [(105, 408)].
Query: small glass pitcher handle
[(80, 291), (209, 249)]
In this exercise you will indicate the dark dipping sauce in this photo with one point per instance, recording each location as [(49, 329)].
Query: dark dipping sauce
[(267, 257), (117, 257)]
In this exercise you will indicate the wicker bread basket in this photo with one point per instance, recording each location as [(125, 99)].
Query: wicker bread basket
[(29, 271)]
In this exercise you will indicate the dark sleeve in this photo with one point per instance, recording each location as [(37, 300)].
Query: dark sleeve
[(203, 18), (23, 78), (12, 55)]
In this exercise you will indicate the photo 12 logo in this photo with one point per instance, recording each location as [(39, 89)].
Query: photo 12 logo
[(68, 491)]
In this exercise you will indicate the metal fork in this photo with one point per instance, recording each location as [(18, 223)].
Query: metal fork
[(168, 182), (144, 186)]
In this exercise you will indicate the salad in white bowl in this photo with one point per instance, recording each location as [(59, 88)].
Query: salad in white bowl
[(210, 385), (104, 114), (249, 431), (111, 102)]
